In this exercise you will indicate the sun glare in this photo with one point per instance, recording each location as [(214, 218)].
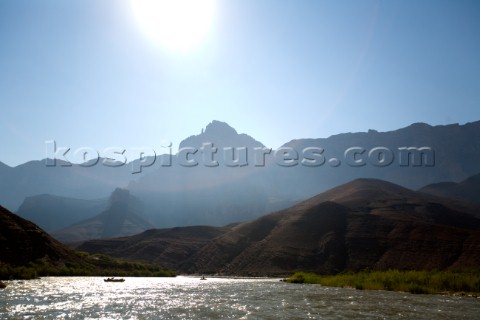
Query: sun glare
[(176, 24)]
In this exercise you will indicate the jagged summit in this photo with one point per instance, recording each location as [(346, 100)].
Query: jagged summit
[(221, 134), (219, 128)]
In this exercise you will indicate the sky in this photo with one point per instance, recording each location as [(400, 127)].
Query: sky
[(89, 73)]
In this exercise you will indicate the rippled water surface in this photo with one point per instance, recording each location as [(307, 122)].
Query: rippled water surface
[(217, 298)]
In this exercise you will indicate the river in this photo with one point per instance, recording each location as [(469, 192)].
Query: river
[(217, 298)]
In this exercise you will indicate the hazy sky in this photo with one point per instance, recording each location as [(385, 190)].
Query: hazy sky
[(90, 73)]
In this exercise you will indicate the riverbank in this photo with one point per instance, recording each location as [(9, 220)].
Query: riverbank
[(418, 282), (92, 265)]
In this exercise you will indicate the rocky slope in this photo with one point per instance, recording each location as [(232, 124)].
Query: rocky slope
[(168, 247), (363, 224), (366, 223), (21, 242), (26, 251)]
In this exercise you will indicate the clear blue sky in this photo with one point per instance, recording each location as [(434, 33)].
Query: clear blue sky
[(85, 73)]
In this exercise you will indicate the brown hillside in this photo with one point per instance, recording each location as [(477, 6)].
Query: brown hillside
[(21, 241), (363, 224)]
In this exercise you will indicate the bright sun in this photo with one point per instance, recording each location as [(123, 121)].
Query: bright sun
[(176, 24)]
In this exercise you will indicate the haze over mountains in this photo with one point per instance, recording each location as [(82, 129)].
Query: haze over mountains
[(122, 217), (53, 213), (208, 209), (468, 190), (365, 223), (218, 191)]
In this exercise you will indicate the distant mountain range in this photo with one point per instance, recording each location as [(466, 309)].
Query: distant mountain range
[(218, 191), (122, 217), (468, 190), (366, 223), (35, 178), (344, 203), (363, 224), (53, 213)]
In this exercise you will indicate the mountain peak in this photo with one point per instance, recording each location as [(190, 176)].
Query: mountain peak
[(119, 195), (358, 190), (221, 134), (219, 128)]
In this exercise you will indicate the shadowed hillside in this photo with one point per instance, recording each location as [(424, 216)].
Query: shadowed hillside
[(26, 252), (168, 247), (366, 223), (21, 241)]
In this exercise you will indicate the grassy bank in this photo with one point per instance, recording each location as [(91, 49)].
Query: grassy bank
[(408, 281), (92, 265)]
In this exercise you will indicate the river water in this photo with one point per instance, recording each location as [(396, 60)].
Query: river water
[(217, 298)]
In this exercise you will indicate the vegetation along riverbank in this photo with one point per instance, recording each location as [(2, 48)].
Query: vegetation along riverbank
[(421, 282), (92, 265)]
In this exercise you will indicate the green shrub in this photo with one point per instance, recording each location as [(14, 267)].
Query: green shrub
[(418, 282), (90, 265)]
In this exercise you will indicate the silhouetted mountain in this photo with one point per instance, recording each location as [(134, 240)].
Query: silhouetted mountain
[(22, 242), (52, 213), (215, 191), (366, 223), (221, 135), (218, 195), (468, 190), (35, 178), (123, 217), (454, 150), (217, 186)]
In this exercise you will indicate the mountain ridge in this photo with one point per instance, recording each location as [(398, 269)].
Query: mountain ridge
[(214, 193), (397, 228)]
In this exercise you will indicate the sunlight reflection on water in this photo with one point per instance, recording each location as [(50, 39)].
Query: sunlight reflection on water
[(216, 298)]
